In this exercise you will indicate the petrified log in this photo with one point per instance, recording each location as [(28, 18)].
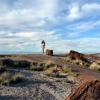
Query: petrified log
[(49, 52), (76, 55), (87, 91)]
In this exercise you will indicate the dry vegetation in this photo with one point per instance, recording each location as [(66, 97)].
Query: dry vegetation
[(48, 68), (7, 78), (83, 63)]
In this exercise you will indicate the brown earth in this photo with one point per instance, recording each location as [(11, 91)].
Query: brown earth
[(89, 88), (58, 60)]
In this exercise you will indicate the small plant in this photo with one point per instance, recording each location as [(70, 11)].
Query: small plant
[(66, 69), (2, 69), (74, 74), (95, 66), (37, 66), (21, 64), (7, 62), (17, 78), (49, 64), (4, 78), (70, 79), (49, 71), (33, 65)]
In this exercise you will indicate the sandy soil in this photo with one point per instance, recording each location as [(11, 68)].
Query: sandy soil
[(38, 86)]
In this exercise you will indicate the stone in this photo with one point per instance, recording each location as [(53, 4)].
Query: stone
[(87, 91), (76, 55), (49, 52)]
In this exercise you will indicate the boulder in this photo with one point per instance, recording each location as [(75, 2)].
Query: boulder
[(87, 91), (49, 52), (76, 55)]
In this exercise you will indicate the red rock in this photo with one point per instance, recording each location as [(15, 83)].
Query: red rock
[(49, 52), (76, 55), (87, 91)]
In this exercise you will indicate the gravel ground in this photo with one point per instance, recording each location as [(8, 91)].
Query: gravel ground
[(36, 86)]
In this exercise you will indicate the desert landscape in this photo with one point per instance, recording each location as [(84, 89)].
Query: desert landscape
[(72, 76), (49, 49)]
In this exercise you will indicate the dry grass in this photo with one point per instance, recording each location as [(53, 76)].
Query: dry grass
[(42, 66), (17, 78), (2, 69), (7, 78), (32, 66), (49, 71), (4, 78), (49, 64), (66, 69), (37, 66), (95, 66), (69, 71)]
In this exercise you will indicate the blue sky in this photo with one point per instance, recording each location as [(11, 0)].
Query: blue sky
[(63, 24)]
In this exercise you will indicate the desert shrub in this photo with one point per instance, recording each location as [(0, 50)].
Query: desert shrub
[(4, 78), (95, 66), (71, 79), (34, 63), (37, 66), (2, 69), (66, 69), (74, 74), (21, 64), (33, 66), (42, 66), (7, 62), (7, 78), (17, 78), (69, 71), (49, 71), (49, 64)]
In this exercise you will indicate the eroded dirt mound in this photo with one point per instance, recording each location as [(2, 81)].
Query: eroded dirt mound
[(87, 91)]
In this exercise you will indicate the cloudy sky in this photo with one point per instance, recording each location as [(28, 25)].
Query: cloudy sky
[(63, 24)]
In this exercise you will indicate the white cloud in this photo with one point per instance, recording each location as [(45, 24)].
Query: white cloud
[(77, 11), (78, 28), (24, 23), (41, 13), (74, 12), (91, 7)]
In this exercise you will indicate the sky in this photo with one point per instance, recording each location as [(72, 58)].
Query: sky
[(64, 25)]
